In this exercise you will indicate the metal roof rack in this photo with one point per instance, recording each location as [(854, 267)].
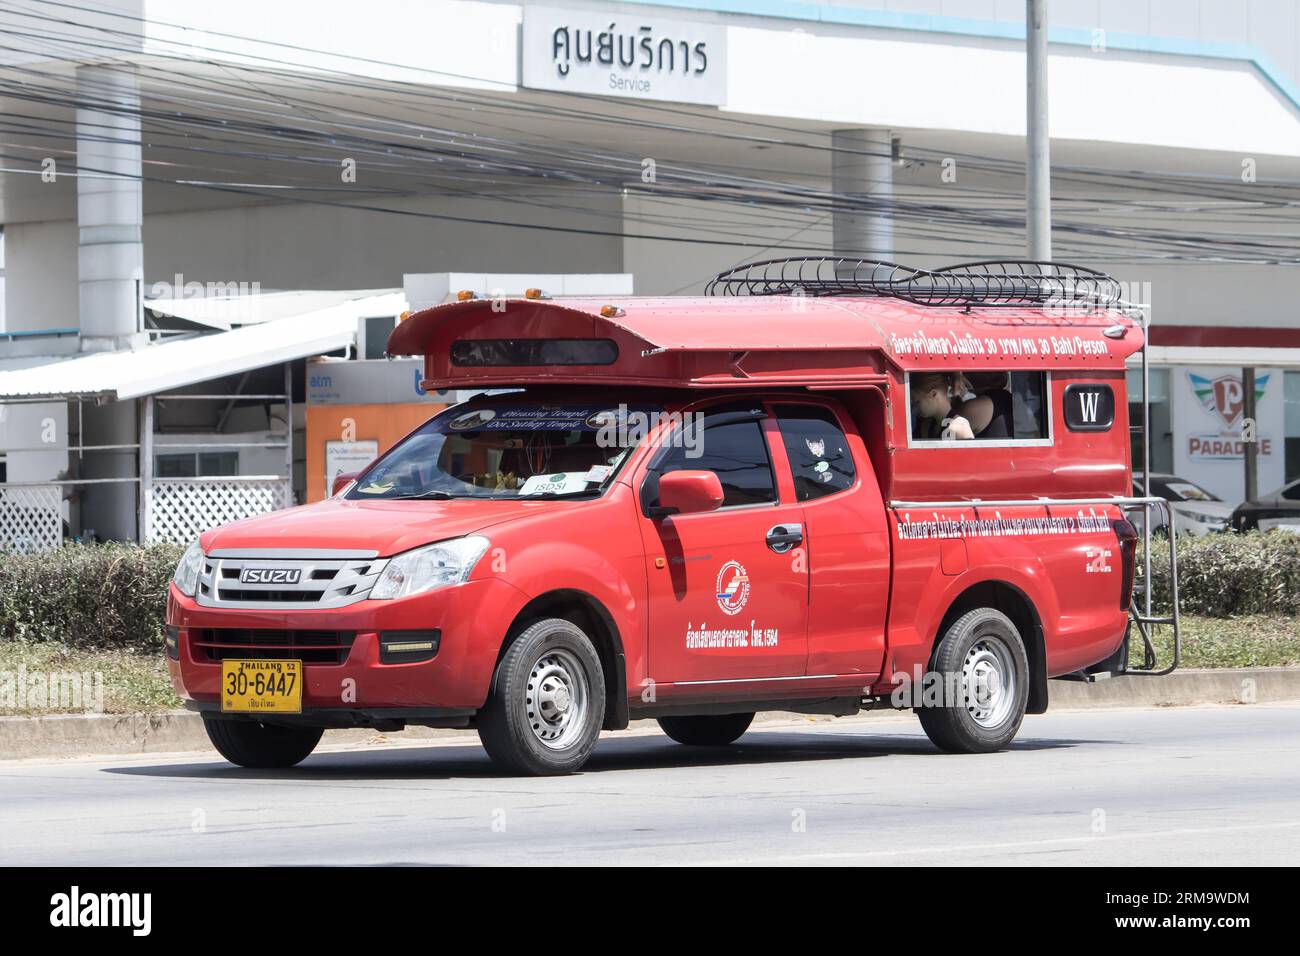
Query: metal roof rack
[(992, 282)]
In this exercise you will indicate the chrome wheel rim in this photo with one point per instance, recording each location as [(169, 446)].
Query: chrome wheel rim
[(556, 699), (988, 678)]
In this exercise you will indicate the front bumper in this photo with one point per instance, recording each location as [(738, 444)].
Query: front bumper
[(342, 718), (473, 619)]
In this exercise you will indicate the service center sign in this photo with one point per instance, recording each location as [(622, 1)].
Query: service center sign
[(1208, 410), (630, 55)]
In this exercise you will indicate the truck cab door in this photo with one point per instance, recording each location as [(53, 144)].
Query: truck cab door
[(728, 589), (846, 538)]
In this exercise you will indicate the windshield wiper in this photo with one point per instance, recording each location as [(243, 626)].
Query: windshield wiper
[(440, 495), (558, 494)]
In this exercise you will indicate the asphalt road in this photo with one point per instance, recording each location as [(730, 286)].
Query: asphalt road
[(1165, 786)]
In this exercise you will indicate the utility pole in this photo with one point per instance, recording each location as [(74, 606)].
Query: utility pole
[(1038, 159), (1250, 449)]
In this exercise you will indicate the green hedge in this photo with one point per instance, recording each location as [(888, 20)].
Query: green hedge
[(112, 595), (98, 595), (1228, 575)]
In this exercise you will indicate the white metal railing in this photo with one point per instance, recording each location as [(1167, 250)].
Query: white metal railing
[(181, 509)]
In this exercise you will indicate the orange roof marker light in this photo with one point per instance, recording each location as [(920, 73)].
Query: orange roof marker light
[(535, 294), (464, 295), (405, 315), (611, 311)]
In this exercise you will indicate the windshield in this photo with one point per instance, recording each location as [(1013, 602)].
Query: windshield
[(505, 450)]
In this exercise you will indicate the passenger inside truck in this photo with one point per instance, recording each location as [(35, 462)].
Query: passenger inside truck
[(996, 405)]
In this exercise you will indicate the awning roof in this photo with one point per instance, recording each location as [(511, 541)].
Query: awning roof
[(226, 312), (170, 365)]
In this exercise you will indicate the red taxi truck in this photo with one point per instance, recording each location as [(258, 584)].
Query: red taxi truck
[(824, 486)]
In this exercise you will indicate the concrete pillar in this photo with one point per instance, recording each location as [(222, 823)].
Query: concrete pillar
[(862, 169), (1038, 153), (110, 252), (110, 277)]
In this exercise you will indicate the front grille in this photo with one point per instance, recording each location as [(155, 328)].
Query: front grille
[(318, 579), (213, 644), (237, 594)]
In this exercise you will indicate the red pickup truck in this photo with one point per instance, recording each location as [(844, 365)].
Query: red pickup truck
[(899, 493)]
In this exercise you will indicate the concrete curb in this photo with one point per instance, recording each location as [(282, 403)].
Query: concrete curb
[(68, 735)]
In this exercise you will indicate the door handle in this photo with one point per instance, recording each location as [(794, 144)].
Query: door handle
[(782, 537)]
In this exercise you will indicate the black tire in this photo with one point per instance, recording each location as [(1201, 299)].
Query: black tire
[(706, 731), (261, 746), (974, 723), (526, 705)]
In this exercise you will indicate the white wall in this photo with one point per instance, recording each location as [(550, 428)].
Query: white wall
[(29, 426), (802, 69), (40, 287), (452, 42), (1271, 25), (1183, 294), (317, 247), (290, 247), (915, 80), (285, 246)]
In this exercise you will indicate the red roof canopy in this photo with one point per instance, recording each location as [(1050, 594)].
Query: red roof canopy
[(705, 341)]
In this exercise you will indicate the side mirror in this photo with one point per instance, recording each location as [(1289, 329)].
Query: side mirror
[(342, 480), (690, 492)]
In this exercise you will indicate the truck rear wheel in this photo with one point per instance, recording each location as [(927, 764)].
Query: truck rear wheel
[(985, 684), (261, 746), (547, 704), (706, 731)]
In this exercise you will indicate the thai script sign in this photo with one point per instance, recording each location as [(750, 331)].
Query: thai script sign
[(622, 54)]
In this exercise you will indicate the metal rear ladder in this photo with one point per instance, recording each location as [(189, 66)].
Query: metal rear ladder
[(1141, 615)]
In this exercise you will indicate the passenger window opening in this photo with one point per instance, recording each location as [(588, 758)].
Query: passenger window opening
[(736, 452), (486, 353), (984, 406)]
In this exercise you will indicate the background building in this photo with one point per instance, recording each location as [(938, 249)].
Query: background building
[(163, 158)]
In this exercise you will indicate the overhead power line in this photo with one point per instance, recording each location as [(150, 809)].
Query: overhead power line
[(257, 128)]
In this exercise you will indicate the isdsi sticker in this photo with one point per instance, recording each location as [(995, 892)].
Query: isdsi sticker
[(733, 587)]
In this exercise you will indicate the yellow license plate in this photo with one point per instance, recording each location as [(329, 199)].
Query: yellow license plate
[(261, 687)]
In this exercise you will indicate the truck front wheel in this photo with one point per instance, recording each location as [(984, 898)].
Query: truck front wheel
[(706, 731), (261, 746), (985, 685), (547, 703)]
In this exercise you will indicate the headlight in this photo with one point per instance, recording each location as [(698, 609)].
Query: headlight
[(189, 569), (433, 566)]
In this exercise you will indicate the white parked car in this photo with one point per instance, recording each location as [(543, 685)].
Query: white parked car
[(1196, 511)]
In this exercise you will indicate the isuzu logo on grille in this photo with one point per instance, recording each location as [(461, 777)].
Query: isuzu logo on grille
[(269, 575)]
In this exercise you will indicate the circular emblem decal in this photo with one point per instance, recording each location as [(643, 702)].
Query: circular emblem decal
[(605, 419), (733, 587), (474, 419)]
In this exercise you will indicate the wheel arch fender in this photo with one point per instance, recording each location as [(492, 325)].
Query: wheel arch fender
[(1018, 603), (585, 611)]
